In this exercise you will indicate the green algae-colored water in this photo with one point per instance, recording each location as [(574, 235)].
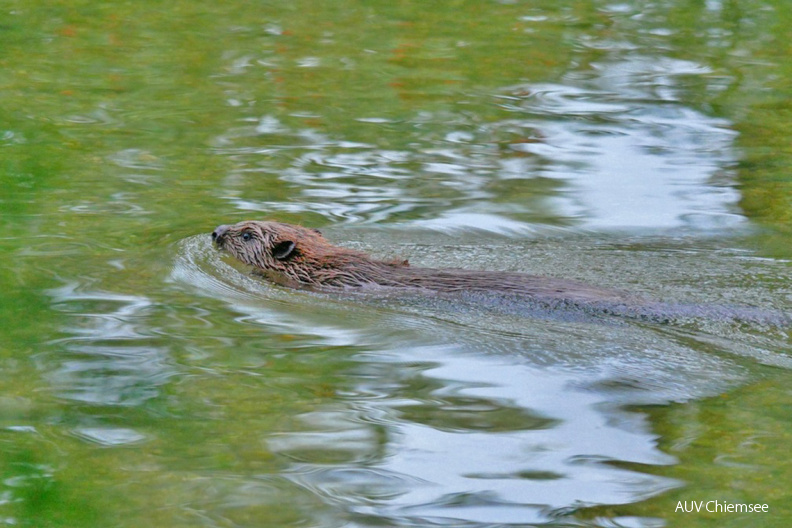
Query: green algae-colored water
[(146, 380)]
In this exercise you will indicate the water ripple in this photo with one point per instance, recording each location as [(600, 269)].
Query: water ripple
[(611, 146), (110, 359)]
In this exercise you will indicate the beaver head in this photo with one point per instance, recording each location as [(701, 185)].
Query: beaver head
[(289, 253)]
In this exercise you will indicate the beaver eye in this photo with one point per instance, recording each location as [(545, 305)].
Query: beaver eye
[(246, 236)]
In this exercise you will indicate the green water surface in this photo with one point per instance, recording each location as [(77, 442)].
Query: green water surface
[(138, 388)]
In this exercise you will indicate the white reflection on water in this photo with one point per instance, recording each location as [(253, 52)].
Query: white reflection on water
[(634, 155), (110, 436), (111, 356), (443, 468), (610, 147)]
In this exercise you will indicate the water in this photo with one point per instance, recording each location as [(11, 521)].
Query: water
[(150, 380)]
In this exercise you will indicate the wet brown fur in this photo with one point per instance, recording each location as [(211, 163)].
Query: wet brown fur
[(302, 257)]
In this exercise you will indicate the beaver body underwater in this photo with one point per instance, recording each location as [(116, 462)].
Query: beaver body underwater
[(301, 257)]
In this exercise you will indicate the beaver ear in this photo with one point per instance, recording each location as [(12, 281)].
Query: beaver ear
[(317, 232), (283, 250)]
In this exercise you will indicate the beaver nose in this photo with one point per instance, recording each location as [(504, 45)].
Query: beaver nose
[(218, 233)]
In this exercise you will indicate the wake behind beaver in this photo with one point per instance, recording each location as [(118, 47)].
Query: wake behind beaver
[(301, 257)]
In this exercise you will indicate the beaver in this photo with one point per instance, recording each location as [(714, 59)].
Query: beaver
[(302, 257)]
